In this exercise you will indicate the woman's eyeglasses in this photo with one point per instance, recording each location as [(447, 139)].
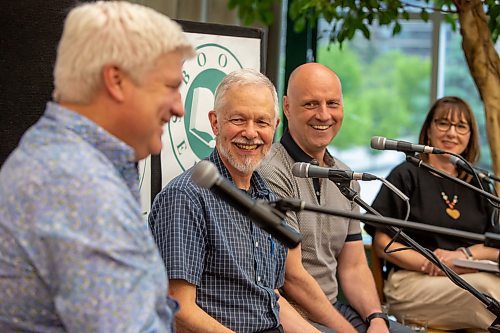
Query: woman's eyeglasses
[(444, 125)]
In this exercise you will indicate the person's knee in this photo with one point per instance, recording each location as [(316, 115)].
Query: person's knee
[(486, 283)]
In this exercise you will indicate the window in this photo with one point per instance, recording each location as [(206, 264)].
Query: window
[(457, 81), (386, 84)]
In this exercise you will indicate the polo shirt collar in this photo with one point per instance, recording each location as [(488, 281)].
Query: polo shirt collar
[(298, 155)]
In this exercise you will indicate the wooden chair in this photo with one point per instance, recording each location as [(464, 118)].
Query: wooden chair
[(376, 268)]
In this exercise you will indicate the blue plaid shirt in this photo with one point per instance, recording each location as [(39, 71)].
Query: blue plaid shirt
[(235, 265), (75, 252)]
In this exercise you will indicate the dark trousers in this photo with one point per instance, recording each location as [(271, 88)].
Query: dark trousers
[(278, 329), (359, 324)]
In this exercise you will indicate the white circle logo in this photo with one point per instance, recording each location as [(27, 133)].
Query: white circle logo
[(191, 137)]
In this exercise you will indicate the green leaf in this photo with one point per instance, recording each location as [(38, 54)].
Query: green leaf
[(341, 35), (350, 32), (232, 4), (249, 18), (365, 31), (369, 17), (424, 15), (452, 19), (267, 17), (294, 10), (329, 14), (397, 29), (300, 24), (357, 13), (383, 18), (494, 21)]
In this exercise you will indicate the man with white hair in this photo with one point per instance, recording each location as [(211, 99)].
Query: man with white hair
[(223, 269), (75, 254)]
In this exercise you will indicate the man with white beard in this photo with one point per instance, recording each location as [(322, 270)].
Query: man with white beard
[(224, 270)]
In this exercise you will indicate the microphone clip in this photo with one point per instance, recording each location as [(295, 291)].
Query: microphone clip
[(346, 190), (286, 204), (413, 158)]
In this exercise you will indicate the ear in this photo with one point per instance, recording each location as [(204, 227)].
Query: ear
[(286, 106), (212, 117), (113, 82)]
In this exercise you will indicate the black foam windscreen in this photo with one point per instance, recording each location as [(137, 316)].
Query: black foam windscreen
[(30, 32)]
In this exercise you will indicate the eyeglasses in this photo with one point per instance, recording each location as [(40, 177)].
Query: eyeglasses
[(444, 125)]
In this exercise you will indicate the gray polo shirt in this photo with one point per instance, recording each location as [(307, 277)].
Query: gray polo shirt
[(324, 235)]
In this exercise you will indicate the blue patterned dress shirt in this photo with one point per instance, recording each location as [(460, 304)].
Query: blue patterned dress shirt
[(75, 253), (234, 265)]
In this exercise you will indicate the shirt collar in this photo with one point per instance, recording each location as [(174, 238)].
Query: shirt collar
[(121, 155), (298, 155), (113, 148)]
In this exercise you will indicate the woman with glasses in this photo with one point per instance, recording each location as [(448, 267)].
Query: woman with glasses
[(414, 286)]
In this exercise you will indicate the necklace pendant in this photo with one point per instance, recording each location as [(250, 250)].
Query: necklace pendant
[(453, 213)]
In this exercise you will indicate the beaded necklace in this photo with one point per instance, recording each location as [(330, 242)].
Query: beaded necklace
[(450, 210)]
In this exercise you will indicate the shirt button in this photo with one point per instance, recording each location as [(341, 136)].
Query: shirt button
[(258, 278), (256, 244)]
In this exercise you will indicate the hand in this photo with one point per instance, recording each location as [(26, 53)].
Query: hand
[(377, 325), (446, 257), (430, 269)]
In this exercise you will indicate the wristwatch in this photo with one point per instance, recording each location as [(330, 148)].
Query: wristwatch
[(467, 252), (378, 315)]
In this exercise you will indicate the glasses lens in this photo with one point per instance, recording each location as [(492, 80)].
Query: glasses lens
[(462, 128), (444, 125)]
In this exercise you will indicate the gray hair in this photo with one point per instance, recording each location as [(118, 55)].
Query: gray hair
[(119, 33), (243, 77)]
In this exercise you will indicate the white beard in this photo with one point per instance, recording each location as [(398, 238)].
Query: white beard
[(247, 165)]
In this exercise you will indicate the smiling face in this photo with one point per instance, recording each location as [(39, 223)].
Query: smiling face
[(449, 131), (314, 108), (150, 103), (244, 126), (450, 125)]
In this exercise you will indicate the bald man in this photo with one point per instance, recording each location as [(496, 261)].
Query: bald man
[(314, 110)]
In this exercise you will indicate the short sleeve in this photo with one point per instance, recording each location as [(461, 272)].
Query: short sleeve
[(177, 223)]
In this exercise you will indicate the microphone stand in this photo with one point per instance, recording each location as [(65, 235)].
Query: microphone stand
[(376, 219), (492, 176), (495, 215), (419, 163), (488, 174)]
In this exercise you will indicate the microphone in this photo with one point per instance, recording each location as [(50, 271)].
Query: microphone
[(381, 143), (307, 170), (457, 162), (206, 175)]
